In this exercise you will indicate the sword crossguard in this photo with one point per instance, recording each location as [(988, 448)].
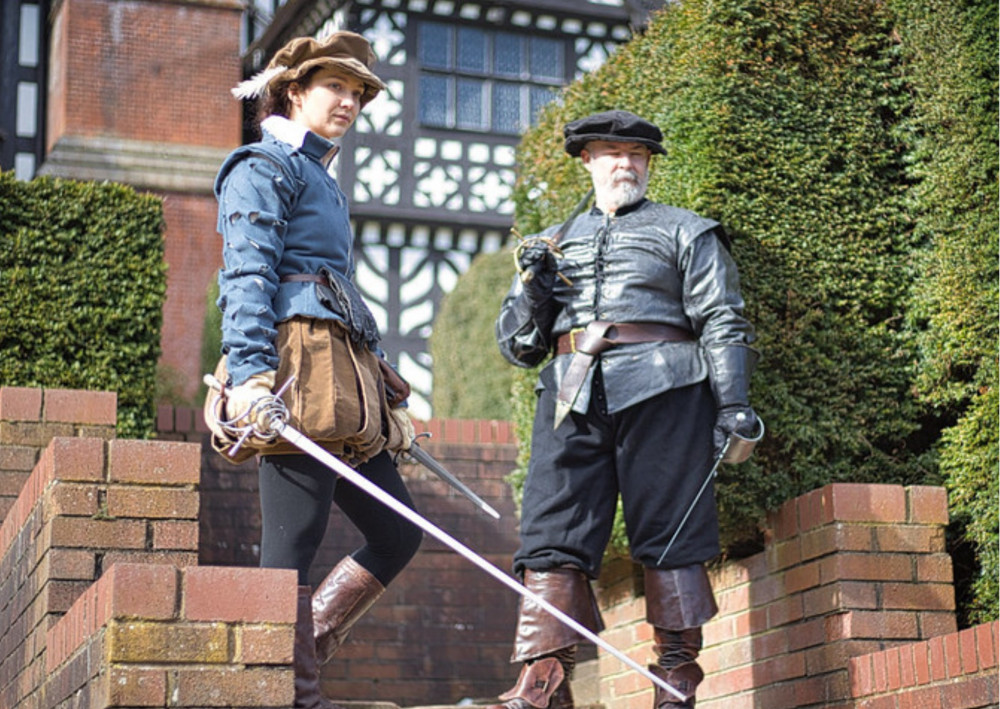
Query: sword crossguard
[(263, 420)]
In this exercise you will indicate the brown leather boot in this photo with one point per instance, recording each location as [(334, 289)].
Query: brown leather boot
[(545, 645), (678, 603), (345, 595), (307, 694), (676, 651)]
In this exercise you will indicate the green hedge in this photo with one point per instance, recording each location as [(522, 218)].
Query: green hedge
[(475, 381), (83, 278), (951, 50), (853, 161)]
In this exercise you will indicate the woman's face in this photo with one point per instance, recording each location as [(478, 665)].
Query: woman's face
[(329, 105)]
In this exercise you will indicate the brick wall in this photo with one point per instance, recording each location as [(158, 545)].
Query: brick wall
[(849, 606), (147, 70), (444, 629), (848, 571), (953, 671), (155, 630), (149, 635), (139, 94)]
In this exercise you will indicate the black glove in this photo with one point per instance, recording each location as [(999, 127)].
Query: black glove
[(741, 420), (537, 265)]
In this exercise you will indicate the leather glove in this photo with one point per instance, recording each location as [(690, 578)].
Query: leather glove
[(741, 420), (240, 398), (537, 266)]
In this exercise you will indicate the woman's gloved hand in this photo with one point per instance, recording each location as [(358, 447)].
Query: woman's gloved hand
[(240, 398)]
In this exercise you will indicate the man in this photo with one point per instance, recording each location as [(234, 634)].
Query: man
[(640, 304)]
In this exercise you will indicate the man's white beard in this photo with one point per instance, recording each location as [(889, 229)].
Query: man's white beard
[(623, 188)]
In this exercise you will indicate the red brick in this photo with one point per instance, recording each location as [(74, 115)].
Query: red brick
[(880, 676), (972, 693), (79, 459), (967, 650), (20, 404), (935, 568), (910, 539), (923, 596), (240, 594), (175, 535), (147, 591), (79, 406), (907, 673), (937, 659), (922, 662), (924, 698), (802, 577), (73, 500), (84, 532), (127, 501), (892, 669), (928, 505), (952, 655), (880, 625), (807, 634), (70, 564), (933, 624), (264, 644), (163, 463), (133, 686), (859, 670), (986, 644), (857, 502), (841, 596), (11, 483), (866, 567), (18, 458), (234, 687)]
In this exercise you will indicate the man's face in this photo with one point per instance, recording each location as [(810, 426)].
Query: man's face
[(620, 172)]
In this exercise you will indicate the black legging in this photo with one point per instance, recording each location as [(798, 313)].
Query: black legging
[(295, 496)]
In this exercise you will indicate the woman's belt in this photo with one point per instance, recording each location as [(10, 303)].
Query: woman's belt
[(600, 335)]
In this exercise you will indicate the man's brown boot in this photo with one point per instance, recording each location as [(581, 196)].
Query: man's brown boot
[(543, 683), (345, 595), (676, 651), (307, 693), (678, 603), (546, 646)]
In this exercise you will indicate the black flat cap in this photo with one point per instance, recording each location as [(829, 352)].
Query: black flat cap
[(614, 126)]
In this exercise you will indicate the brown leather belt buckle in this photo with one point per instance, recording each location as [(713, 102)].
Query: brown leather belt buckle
[(572, 337)]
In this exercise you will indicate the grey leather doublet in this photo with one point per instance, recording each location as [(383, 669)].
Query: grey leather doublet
[(649, 263)]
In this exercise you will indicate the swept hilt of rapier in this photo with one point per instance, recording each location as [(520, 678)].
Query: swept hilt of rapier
[(263, 420)]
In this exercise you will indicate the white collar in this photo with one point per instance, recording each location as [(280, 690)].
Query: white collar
[(294, 134)]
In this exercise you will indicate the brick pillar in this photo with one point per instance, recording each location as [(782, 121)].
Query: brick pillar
[(86, 504), (139, 94), (848, 570)]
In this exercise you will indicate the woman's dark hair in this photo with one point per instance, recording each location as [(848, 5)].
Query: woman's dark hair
[(275, 102)]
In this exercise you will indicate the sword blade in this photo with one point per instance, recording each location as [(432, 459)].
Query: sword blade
[(307, 446), (429, 462), (690, 509)]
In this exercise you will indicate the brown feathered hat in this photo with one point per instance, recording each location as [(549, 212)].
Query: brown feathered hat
[(346, 51)]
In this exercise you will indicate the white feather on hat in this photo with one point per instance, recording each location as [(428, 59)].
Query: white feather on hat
[(254, 86)]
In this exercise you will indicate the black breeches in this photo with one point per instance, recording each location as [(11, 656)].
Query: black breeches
[(295, 496), (654, 454)]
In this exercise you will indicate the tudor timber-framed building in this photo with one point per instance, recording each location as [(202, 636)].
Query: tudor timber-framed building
[(429, 166)]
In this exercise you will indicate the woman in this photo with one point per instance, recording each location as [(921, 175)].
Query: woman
[(290, 309)]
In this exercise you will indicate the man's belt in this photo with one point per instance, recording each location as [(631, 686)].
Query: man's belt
[(600, 335)]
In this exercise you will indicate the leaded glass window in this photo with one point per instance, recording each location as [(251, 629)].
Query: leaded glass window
[(485, 80)]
